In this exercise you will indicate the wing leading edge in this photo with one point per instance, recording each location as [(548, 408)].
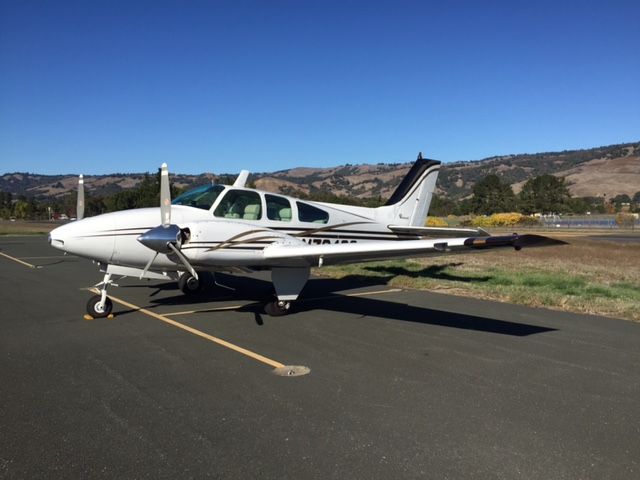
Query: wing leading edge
[(333, 254)]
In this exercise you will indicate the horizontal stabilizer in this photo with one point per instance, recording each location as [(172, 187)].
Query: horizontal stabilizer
[(439, 231)]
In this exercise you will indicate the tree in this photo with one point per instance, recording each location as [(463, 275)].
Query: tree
[(5, 199), (635, 207), (441, 206), (146, 194), (491, 195), (618, 200), (544, 194), (23, 209), (94, 206)]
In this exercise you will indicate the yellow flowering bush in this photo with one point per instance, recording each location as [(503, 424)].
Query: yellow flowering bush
[(436, 222), (503, 220)]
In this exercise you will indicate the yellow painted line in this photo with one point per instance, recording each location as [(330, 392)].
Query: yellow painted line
[(17, 260), (211, 338), (206, 310)]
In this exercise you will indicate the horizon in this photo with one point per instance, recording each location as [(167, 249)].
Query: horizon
[(176, 172), (103, 87)]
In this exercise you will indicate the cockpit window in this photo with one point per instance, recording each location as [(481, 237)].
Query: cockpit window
[(309, 213), (243, 204), (201, 197)]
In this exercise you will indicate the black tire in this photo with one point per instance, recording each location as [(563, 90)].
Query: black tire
[(190, 286), (277, 308), (94, 311)]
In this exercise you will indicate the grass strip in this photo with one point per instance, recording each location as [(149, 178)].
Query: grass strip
[(529, 286)]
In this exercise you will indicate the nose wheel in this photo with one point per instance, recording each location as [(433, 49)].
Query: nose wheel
[(100, 306), (97, 308)]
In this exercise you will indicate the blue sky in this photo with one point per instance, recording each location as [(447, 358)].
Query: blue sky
[(101, 87)]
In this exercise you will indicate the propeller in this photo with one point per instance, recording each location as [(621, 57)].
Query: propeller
[(167, 237), (165, 196), (80, 205)]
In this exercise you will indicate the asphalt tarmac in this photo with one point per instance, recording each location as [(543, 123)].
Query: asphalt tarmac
[(402, 384)]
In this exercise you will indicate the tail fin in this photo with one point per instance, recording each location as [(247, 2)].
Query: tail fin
[(410, 202)]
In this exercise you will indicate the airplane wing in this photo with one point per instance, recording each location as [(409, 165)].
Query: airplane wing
[(333, 254), (439, 231)]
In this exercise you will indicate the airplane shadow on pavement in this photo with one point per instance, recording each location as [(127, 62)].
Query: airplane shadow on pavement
[(320, 293)]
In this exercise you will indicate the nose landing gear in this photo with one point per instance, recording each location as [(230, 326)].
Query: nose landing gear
[(100, 306), (97, 309)]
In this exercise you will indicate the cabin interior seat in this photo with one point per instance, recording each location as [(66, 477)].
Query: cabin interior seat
[(285, 214), (251, 212)]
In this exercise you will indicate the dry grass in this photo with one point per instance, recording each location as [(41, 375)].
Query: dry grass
[(587, 276), (20, 227), (604, 262)]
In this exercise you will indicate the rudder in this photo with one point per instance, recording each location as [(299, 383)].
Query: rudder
[(410, 202)]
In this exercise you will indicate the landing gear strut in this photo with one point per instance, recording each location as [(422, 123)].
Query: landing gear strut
[(288, 283), (277, 308), (100, 306)]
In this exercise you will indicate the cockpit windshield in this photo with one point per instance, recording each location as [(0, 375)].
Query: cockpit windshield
[(201, 197)]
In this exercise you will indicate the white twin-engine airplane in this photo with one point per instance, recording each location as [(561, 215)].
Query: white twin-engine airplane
[(218, 228)]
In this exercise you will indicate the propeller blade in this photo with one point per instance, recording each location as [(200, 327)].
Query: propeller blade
[(146, 267), (165, 196), (184, 260), (80, 205)]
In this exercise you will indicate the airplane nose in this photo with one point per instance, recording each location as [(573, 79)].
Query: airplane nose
[(56, 238)]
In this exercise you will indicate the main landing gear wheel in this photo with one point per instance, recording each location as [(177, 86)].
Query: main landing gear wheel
[(191, 285), (96, 310), (277, 308)]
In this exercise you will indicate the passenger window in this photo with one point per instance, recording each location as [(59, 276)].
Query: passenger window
[(278, 208), (240, 204), (309, 213)]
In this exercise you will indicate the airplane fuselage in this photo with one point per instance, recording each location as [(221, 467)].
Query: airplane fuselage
[(217, 240), (226, 228)]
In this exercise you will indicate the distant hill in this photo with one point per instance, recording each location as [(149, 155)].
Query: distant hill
[(609, 170)]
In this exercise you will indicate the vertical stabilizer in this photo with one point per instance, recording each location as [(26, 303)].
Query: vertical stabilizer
[(409, 204)]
